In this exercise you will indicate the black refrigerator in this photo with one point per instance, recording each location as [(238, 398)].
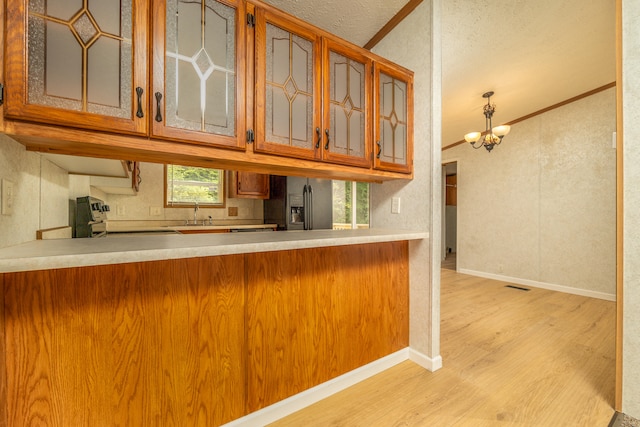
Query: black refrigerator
[(298, 203)]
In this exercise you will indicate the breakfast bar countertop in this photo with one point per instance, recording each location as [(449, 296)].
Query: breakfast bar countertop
[(66, 253)]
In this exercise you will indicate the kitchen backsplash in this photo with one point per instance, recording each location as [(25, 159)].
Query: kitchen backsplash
[(150, 198)]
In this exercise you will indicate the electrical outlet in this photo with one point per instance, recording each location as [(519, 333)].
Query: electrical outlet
[(8, 197), (155, 211), (395, 205), (120, 210)]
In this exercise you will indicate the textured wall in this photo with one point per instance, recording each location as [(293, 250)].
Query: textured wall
[(541, 206), (41, 191), (413, 35), (631, 261)]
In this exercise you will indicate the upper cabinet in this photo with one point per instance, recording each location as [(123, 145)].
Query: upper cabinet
[(393, 128), (313, 94), (287, 87), (198, 71), (78, 63), (346, 105), (218, 83)]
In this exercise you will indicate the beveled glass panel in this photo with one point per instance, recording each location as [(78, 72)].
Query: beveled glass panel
[(189, 37), (215, 38), (104, 72), (278, 72), (63, 9), (106, 14), (278, 116), (339, 130), (302, 64), (200, 66), (89, 69), (64, 63), (393, 119), (347, 102), (189, 108), (216, 112), (356, 133), (289, 88), (300, 121)]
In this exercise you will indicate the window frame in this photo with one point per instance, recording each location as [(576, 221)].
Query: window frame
[(204, 205)]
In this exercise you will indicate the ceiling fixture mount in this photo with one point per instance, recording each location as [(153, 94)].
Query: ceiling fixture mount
[(492, 136)]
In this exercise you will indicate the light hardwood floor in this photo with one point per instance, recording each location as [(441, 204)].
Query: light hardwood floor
[(511, 358)]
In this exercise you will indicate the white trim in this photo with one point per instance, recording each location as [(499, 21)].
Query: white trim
[(542, 285), (424, 361), (308, 397)]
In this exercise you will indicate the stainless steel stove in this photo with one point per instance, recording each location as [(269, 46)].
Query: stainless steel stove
[(91, 214)]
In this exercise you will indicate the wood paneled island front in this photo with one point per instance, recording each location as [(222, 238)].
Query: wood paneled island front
[(143, 338)]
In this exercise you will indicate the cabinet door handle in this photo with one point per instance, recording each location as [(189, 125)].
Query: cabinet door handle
[(319, 138), (139, 92), (158, 113), (379, 149), (326, 132)]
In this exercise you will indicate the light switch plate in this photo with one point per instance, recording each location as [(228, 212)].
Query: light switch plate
[(8, 197), (395, 205), (155, 211)]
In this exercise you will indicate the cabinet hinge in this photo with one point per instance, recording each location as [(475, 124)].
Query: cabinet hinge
[(250, 136), (251, 20), (1, 94)]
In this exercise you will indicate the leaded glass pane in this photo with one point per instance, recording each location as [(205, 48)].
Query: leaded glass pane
[(289, 91), (393, 119), (104, 73), (347, 102), (80, 55), (200, 66)]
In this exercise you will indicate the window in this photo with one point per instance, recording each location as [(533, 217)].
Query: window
[(350, 212), (188, 185)]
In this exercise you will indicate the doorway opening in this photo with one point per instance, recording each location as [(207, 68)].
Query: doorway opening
[(450, 215)]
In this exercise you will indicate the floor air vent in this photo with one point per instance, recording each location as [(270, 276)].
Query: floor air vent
[(517, 287)]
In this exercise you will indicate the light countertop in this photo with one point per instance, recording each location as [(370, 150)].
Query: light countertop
[(64, 253)]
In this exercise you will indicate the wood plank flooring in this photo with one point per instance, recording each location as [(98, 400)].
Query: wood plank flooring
[(511, 358)]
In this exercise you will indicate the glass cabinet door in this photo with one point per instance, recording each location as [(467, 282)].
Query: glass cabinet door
[(84, 63), (394, 119), (347, 100), (287, 88), (199, 89)]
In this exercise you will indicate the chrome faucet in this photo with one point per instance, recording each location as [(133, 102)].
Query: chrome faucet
[(195, 212)]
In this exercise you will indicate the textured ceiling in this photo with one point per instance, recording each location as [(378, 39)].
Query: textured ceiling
[(354, 20), (531, 53)]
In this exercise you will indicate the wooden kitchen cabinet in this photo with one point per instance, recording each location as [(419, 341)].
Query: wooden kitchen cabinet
[(141, 344), (312, 93), (197, 341), (288, 83), (198, 70), (248, 185), (229, 84), (393, 124), (78, 64), (346, 104)]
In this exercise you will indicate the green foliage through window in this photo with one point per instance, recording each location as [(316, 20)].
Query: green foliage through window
[(187, 185), (344, 203)]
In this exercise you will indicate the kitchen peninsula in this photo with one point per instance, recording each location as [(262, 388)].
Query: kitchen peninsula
[(194, 329)]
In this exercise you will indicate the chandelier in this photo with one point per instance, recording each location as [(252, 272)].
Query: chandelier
[(492, 136)]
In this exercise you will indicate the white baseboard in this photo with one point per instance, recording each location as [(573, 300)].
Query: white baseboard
[(542, 285), (301, 400), (426, 362)]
